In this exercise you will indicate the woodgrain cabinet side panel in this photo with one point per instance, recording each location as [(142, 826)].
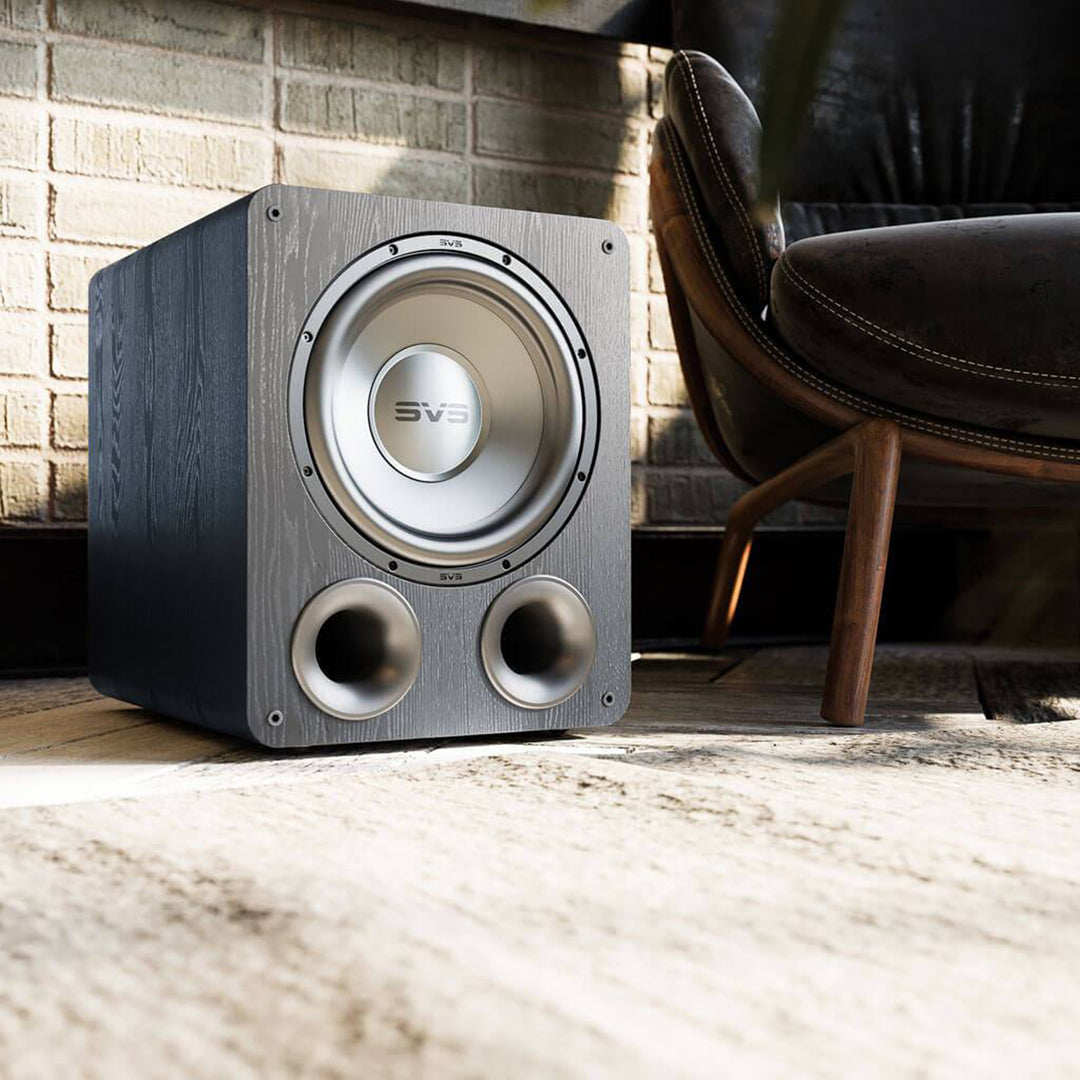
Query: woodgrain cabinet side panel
[(167, 493)]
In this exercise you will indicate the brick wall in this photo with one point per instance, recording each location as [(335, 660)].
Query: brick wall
[(120, 122)]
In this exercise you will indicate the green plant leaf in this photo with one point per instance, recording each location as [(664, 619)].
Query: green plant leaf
[(797, 50)]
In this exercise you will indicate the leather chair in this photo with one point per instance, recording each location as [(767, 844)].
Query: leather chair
[(905, 325)]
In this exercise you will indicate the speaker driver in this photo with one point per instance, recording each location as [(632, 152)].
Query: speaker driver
[(356, 649), (538, 642), (444, 404)]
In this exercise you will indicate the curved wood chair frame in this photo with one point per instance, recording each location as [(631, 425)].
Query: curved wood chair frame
[(871, 441)]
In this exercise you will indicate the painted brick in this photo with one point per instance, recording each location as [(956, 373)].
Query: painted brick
[(69, 278), (639, 501), (788, 514), (676, 440), (21, 206), (69, 421), (22, 341), (656, 271), (130, 214), (370, 52), (809, 514), (156, 82), (565, 130), (595, 82), (133, 152), (666, 386), (22, 416), (22, 278), (691, 498), (69, 490), (373, 116), (190, 25), (661, 334), (517, 189), (536, 134), (19, 140), (639, 323), (639, 380), (656, 92), (18, 68), (23, 495), (400, 175), (21, 14), (639, 263), (70, 349), (639, 437)]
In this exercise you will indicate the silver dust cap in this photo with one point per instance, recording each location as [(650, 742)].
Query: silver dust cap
[(427, 415)]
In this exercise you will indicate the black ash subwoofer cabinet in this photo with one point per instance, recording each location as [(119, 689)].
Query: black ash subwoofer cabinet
[(359, 471)]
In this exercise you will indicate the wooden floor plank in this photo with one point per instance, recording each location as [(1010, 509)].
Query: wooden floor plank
[(915, 674), (49, 728), (1029, 691), (99, 749), (36, 695), (676, 671)]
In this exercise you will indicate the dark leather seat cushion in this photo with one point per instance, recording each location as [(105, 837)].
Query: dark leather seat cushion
[(975, 321)]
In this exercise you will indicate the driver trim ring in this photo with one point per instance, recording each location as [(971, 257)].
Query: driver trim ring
[(466, 246)]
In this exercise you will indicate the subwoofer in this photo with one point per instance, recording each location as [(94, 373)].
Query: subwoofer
[(359, 471)]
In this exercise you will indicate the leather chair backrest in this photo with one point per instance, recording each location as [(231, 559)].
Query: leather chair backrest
[(926, 109)]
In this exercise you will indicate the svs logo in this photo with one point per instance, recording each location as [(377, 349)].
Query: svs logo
[(452, 243), (412, 412)]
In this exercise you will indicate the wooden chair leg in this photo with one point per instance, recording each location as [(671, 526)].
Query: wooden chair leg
[(871, 451), (862, 577), (727, 582)]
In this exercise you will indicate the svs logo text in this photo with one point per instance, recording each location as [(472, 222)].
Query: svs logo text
[(412, 412)]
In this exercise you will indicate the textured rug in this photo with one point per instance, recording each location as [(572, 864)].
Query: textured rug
[(901, 903)]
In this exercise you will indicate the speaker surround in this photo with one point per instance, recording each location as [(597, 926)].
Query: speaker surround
[(359, 471), (488, 330)]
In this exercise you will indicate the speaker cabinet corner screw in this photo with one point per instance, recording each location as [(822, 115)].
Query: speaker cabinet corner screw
[(608, 247), (273, 213), (275, 718)]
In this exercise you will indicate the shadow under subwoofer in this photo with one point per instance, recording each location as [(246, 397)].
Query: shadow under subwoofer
[(359, 471)]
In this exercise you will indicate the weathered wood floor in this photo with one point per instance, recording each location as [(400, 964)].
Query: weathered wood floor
[(718, 883)]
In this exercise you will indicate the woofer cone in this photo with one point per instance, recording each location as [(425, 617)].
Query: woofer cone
[(356, 649), (447, 405), (538, 642)]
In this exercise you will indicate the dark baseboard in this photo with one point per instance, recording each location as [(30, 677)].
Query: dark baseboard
[(788, 596), (43, 583), (645, 21), (790, 587), (1012, 583)]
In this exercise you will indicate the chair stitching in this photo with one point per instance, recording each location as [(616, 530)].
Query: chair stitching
[(838, 309), (863, 404), (720, 170), (1031, 449)]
